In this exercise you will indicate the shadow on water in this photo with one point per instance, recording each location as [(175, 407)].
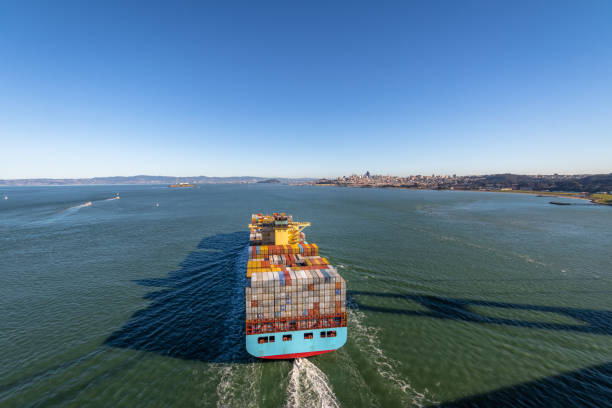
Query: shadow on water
[(588, 387), (594, 321), (198, 312)]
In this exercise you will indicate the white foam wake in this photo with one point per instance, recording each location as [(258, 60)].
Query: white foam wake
[(238, 385), (367, 340), (78, 206), (308, 387)]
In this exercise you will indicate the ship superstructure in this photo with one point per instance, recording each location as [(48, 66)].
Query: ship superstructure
[(295, 300)]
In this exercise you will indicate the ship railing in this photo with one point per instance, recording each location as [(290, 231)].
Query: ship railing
[(283, 324)]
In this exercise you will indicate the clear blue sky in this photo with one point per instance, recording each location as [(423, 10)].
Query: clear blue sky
[(304, 88)]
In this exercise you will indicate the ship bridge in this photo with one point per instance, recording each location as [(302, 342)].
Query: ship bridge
[(276, 229)]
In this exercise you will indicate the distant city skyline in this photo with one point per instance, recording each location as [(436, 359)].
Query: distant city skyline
[(209, 179), (305, 90)]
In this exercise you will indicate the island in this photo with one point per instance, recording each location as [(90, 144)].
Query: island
[(269, 181), (181, 185)]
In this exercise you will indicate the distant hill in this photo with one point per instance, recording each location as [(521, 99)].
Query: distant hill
[(590, 183), (143, 179)]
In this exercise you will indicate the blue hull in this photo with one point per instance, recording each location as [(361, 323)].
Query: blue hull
[(298, 345)]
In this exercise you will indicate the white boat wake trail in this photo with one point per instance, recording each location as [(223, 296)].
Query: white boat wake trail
[(308, 387), (77, 207), (367, 340), (239, 385)]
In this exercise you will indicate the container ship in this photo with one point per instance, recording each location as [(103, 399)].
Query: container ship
[(295, 300)]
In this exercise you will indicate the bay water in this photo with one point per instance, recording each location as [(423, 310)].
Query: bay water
[(455, 298)]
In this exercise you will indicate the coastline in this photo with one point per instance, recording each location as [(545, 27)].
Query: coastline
[(559, 194)]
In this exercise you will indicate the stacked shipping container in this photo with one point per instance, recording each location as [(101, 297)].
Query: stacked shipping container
[(263, 251), (295, 293), (289, 287)]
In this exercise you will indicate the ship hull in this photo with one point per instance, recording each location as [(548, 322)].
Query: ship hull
[(298, 346)]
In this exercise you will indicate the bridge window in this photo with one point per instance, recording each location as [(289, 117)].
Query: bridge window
[(322, 334), (331, 333), (287, 337), (307, 336), (262, 340), (271, 339)]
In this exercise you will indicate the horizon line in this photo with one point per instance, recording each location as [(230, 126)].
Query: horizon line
[(303, 177)]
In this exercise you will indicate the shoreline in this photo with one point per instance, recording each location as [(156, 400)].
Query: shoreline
[(560, 194)]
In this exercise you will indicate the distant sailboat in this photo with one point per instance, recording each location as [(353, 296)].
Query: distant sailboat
[(157, 204), (5, 197)]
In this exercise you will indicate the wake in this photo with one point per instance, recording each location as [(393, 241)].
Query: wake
[(368, 341), (89, 204), (308, 387), (239, 386), (77, 207)]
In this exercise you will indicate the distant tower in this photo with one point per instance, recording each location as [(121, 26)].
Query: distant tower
[(367, 174)]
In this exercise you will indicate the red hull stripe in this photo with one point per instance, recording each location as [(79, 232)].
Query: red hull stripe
[(296, 355)]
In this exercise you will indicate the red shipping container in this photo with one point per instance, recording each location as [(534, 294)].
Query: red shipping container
[(287, 278)]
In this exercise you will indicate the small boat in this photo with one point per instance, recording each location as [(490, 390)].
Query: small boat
[(87, 204), (559, 203), (5, 197)]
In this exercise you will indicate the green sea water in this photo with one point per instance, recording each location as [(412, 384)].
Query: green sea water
[(455, 298)]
